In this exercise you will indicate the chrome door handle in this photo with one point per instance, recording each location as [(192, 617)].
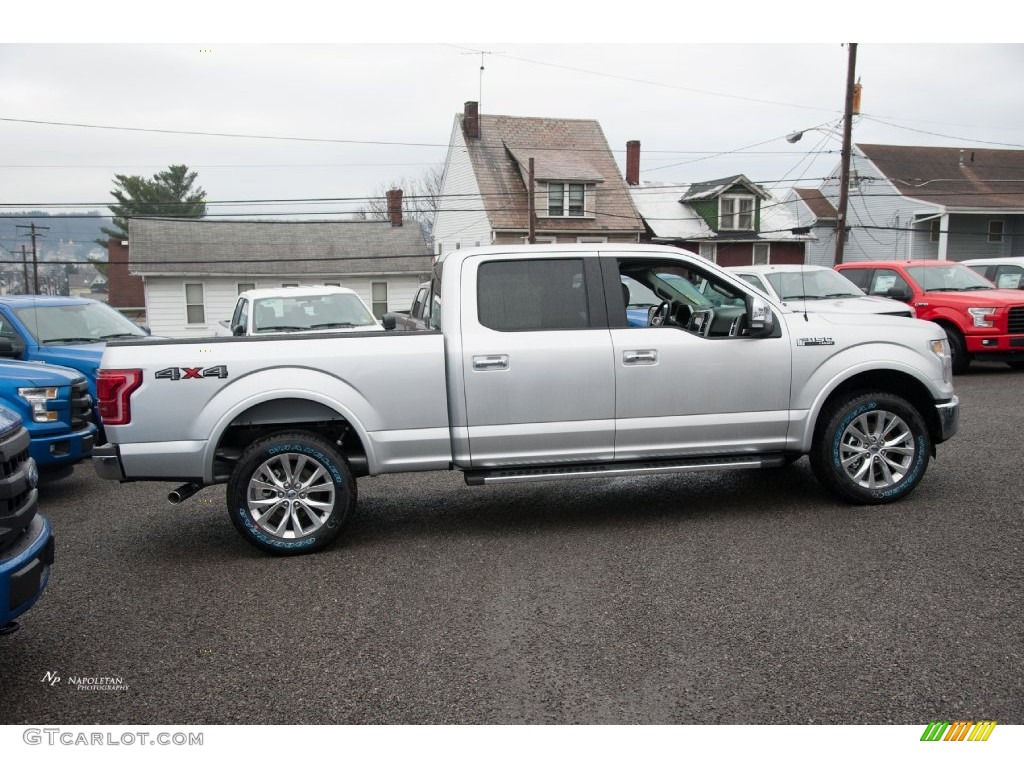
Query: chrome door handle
[(640, 357), (490, 363)]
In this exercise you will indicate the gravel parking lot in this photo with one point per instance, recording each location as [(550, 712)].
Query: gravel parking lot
[(744, 597)]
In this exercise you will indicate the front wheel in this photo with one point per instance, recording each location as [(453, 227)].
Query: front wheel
[(290, 493), (873, 449)]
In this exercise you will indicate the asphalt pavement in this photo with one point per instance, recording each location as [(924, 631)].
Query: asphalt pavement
[(718, 597)]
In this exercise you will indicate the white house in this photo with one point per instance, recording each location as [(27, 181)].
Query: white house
[(908, 202), (194, 269)]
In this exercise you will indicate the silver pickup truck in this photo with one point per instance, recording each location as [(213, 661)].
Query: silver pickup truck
[(530, 369)]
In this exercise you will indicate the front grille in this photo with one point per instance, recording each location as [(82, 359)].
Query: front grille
[(17, 487), (81, 404), (1015, 320)]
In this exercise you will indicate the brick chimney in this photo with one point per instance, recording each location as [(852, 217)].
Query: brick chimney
[(395, 207), (633, 162), (471, 120)]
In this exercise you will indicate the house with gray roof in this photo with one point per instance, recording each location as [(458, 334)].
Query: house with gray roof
[(730, 221), (816, 213), (953, 203), (577, 194), (194, 269)]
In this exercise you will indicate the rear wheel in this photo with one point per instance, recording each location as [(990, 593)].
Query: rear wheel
[(290, 493), (873, 449)]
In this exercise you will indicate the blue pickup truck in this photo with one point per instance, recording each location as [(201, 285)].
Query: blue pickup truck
[(26, 539), (62, 330), (57, 410)]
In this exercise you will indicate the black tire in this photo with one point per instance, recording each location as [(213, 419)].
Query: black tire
[(850, 457), (285, 513), (1017, 365), (957, 350)]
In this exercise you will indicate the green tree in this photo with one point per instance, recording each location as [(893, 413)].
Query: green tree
[(169, 193)]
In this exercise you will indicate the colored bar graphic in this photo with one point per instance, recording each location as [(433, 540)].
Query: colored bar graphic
[(959, 730)]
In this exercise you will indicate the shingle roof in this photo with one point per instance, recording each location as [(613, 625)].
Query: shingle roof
[(563, 149), (669, 217), (818, 204), (232, 247), (953, 177), (701, 190)]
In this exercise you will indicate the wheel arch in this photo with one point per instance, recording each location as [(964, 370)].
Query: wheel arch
[(892, 382), (236, 418)]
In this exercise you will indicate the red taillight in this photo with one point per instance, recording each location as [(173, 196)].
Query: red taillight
[(114, 390)]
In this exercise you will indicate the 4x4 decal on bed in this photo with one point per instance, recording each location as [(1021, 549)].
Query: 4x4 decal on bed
[(175, 374)]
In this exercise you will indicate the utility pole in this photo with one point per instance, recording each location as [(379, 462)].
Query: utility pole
[(531, 236), (24, 265), (844, 176), (35, 260)]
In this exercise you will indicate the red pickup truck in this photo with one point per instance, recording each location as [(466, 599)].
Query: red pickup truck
[(981, 321)]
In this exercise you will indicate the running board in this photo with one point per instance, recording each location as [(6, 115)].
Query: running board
[(620, 469)]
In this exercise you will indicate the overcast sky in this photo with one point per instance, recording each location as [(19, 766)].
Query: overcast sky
[(347, 119)]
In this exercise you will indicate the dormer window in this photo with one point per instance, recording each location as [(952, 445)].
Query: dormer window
[(736, 212), (567, 200)]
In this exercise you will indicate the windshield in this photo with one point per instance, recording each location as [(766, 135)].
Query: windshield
[(812, 284), (76, 323), (948, 277), (310, 313)]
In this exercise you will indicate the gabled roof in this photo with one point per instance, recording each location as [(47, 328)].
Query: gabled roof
[(705, 190), (563, 150), (951, 176), (817, 203), (669, 217), (234, 247)]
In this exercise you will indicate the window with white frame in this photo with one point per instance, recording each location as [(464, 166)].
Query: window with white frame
[(289, 285), (761, 253), (379, 298), (709, 251), (995, 230), (591, 239), (243, 287), (195, 307), (541, 239), (736, 212), (568, 200)]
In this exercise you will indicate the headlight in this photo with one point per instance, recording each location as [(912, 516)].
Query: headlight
[(38, 398), (982, 316), (940, 348)]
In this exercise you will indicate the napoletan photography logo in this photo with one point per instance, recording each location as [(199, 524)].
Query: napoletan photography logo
[(958, 730), (102, 683)]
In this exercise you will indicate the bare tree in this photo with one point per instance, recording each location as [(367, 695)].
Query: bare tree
[(421, 198)]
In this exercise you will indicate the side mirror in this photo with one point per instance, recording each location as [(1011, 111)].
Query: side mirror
[(388, 321), (10, 347), (899, 293), (238, 330), (760, 319)]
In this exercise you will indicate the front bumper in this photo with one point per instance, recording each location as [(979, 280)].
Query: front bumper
[(25, 570), (62, 448), (949, 418)]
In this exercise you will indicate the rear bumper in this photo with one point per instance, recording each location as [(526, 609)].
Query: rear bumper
[(25, 570), (106, 460)]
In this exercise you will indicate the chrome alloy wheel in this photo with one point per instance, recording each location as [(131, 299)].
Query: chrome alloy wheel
[(290, 495), (877, 449)]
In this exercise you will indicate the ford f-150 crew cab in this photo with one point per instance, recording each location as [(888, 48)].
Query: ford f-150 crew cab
[(980, 320), (533, 373)]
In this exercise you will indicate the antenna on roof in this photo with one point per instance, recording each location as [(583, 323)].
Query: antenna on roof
[(480, 97)]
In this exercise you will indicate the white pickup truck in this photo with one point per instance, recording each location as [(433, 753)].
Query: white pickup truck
[(530, 370)]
